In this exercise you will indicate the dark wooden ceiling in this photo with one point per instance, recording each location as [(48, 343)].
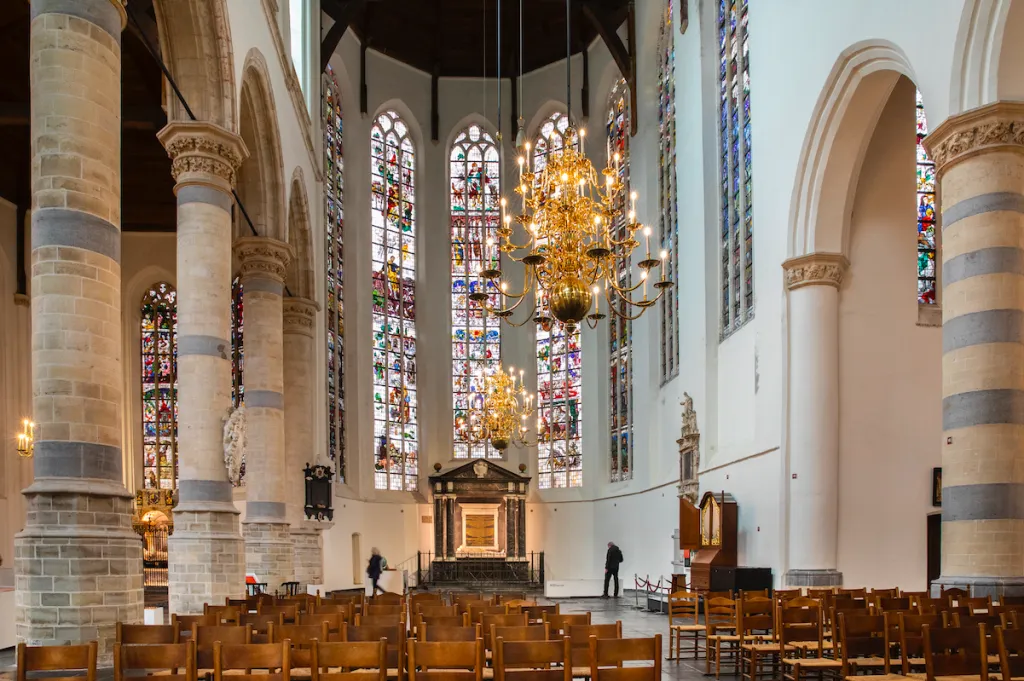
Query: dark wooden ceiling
[(458, 38)]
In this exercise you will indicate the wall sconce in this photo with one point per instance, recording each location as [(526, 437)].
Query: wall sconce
[(26, 439)]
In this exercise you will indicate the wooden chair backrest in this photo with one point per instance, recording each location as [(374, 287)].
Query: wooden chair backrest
[(333, 621), (800, 602), (426, 597), (978, 605), (243, 604), (353, 659), (302, 638), (911, 644), (532, 660), (330, 608), (761, 593), (718, 612), (223, 614), (1011, 600), (536, 613), (558, 625), (819, 592), (755, 616), (380, 621), (446, 660), (893, 604), (531, 632), (863, 635), (930, 606), (457, 621), (607, 656), (386, 599), (183, 624), (145, 633), (290, 611), (301, 602), (507, 596), (516, 606), (395, 640), (841, 605), (886, 593), (206, 636), (799, 625), (272, 658), (579, 639), (914, 596), (489, 621), (383, 609), (466, 606), (955, 651), (853, 593), (476, 613), (786, 594), (439, 634), (952, 595), (171, 661), (260, 624), (464, 598), (683, 608), (972, 621), (1010, 646), (57, 659), (431, 610)]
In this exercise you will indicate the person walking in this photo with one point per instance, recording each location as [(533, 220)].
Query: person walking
[(375, 568), (612, 560)]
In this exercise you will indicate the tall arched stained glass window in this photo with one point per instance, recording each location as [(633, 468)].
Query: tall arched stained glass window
[(475, 215), (737, 247), (393, 239), (668, 223), (559, 362), (926, 235), (620, 329), (237, 357), (334, 224), (160, 387)]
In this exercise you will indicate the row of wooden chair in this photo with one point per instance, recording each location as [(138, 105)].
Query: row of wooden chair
[(345, 661)]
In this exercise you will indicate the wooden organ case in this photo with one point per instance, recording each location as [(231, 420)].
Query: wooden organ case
[(718, 523)]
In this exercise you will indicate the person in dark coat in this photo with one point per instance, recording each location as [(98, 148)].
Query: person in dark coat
[(612, 560), (374, 570)]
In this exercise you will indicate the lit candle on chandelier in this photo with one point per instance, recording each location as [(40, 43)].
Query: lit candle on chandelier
[(647, 241), (597, 300), (664, 270)]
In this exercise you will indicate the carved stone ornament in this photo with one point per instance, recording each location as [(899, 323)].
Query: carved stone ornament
[(234, 443), (264, 257), (203, 153), (815, 269), (480, 468), (299, 315), (689, 451), (991, 127)]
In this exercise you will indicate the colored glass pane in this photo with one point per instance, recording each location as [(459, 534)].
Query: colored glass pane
[(474, 169), (334, 225), (667, 216), (393, 253), (160, 388), (926, 248), (237, 358)]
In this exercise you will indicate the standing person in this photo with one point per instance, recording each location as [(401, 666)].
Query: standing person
[(612, 560), (375, 568)]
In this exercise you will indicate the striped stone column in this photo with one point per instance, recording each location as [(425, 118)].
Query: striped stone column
[(980, 159), (299, 325), (205, 556), (812, 282), (268, 544), (78, 565)]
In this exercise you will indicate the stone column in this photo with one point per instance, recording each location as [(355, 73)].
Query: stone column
[(205, 559), (307, 547), (449, 526), (78, 566), (813, 283), (268, 543), (521, 529), (980, 159), (510, 527), (439, 520)]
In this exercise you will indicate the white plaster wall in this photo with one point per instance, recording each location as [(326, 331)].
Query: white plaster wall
[(394, 528), (889, 371)]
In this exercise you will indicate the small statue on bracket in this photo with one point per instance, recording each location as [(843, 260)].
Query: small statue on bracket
[(689, 451)]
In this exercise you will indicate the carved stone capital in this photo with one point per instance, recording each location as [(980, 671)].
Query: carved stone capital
[(203, 153), (261, 256), (998, 126), (300, 315), (815, 269)]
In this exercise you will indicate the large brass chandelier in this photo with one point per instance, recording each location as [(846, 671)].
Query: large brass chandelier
[(500, 415), (579, 237)]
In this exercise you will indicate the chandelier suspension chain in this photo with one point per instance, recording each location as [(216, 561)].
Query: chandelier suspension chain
[(568, 62)]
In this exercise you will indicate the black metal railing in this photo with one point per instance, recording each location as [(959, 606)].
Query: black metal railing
[(480, 569)]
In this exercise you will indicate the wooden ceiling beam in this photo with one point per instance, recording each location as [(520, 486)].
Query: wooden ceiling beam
[(344, 13), (603, 22)]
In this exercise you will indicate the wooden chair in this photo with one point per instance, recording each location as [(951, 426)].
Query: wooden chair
[(535, 613), (840, 605), (476, 613), (383, 609), (516, 606), (491, 621), (354, 660), (952, 595), (978, 606), (429, 609), (223, 614), (930, 606), (425, 598), (863, 643), (333, 621), (247, 604), (169, 661), (911, 640), (354, 601), (206, 636), (531, 632), (290, 612), (558, 625), (464, 599), (761, 593), (608, 655), (532, 660), (914, 596), (380, 621), (755, 628), (898, 604), (260, 625), (579, 643), (786, 594), (386, 599), (302, 638), (800, 629), (241, 660), (1010, 647), (885, 593), (395, 637), (145, 633), (183, 624), (57, 659), (1011, 600), (972, 621), (345, 610), (446, 661), (852, 593), (684, 622), (507, 596), (441, 634), (955, 651), (720, 627), (457, 621)]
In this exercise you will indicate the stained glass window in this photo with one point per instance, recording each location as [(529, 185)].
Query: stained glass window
[(735, 180), (559, 362), (334, 224), (668, 232), (925, 214), (476, 337), (620, 329), (237, 357), (393, 239), (160, 387)]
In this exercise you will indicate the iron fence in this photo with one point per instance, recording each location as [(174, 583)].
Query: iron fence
[(482, 568)]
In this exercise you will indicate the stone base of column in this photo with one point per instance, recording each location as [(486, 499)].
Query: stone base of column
[(307, 556), (205, 560), (981, 586), (78, 568), (814, 578), (268, 552)]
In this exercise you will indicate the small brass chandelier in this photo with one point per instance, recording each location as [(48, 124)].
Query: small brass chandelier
[(500, 414), (26, 439), (577, 242)]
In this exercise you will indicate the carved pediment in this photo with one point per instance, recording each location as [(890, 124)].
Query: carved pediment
[(478, 469), (478, 478)]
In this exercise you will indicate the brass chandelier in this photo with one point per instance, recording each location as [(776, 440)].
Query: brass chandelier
[(579, 238), (500, 414)]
